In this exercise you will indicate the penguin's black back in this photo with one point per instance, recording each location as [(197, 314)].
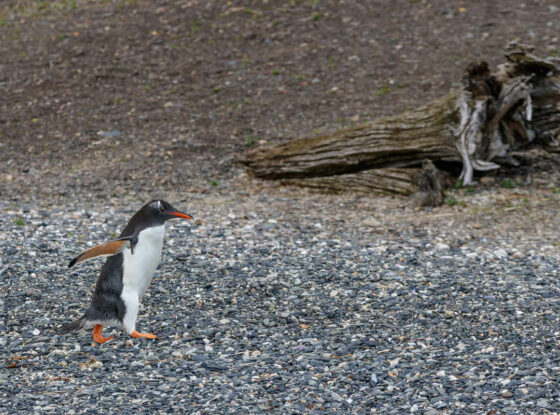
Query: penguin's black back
[(106, 303)]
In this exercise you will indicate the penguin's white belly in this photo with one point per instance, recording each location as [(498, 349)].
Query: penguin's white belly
[(139, 267)]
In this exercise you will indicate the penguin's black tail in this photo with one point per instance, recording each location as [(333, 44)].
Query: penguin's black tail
[(72, 326)]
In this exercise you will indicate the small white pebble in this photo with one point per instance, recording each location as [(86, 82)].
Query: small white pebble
[(500, 253)]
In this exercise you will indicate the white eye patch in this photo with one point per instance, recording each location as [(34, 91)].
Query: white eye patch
[(156, 204)]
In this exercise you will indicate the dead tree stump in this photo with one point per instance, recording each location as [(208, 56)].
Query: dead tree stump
[(430, 185), (493, 115)]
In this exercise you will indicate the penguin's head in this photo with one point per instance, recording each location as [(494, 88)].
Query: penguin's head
[(164, 211)]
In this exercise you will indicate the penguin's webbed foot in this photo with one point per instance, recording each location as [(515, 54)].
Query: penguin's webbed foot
[(97, 334), (137, 335)]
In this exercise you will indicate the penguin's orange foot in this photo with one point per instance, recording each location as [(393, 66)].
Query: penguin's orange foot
[(97, 334), (137, 335)]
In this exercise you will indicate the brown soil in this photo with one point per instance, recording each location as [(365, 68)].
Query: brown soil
[(99, 97)]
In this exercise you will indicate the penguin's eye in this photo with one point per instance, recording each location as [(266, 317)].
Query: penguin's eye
[(161, 209)]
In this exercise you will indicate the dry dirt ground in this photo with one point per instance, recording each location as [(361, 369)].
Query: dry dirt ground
[(98, 98)]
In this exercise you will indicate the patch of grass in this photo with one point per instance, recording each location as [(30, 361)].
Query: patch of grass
[(555, 190), (238, 104), (172, 90), (250, 141), (146, 88), (3, 21), (330, 62), (214, 183), (195, 28), (383, 90), (19, 222), (553, 53), (317, 16), (508, 184), (43, 6), (15, 35), (254, 14), (217, 89), (468, 188), (454, 202), (276, 72)]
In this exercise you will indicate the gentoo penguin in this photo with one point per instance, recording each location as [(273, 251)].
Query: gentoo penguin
[(126, 274)]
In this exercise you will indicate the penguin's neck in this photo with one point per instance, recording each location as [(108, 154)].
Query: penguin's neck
[(152, 237)]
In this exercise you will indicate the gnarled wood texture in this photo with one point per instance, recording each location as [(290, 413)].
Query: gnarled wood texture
[(395, 141), (479, 125), (401, 180)]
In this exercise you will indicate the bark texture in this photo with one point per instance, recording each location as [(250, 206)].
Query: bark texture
[(494, 114)]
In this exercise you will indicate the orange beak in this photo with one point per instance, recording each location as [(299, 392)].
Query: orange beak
[(181, 215)]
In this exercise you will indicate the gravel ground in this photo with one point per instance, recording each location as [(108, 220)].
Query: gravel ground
[(285, 302)]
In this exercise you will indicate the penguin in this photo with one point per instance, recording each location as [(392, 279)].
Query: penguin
[(132, 261)]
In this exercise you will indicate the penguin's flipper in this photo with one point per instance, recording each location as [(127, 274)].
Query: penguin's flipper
[(108, 248)]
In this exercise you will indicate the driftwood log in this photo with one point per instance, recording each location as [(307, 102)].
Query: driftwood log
[(478, 127)]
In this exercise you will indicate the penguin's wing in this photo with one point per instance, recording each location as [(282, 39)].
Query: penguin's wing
[(108, 248)]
